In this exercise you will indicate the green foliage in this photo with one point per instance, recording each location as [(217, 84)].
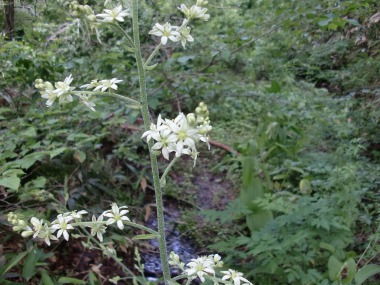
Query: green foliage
[(308, 165)]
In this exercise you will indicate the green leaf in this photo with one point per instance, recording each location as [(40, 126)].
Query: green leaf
[(353, 22), (305, 186), (45, 278), (69, 280), (351, 271), (258, 219), (324, 23), (274, 88), (334, 267), (29, 268), (366, 272), (327, 246), (57, 151), (30, 132), (12, 182), (15, 260), (92, 278), (146, 236), (80, 156)]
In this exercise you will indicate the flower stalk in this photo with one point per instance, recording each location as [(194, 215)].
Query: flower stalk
[(153, 158)]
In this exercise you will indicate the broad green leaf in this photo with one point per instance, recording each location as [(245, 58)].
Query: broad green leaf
[(146, 236), (15, 260), (305, 186), (327, 246), (259, 219), (30, 132), (6, 282), (366, 272), (351, 271), (46, 279), (69, 280), (12, 182), (29, 268), (26, 162), (334, 267), (57, 151)]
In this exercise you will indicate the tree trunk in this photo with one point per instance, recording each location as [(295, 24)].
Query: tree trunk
[(9, 17)]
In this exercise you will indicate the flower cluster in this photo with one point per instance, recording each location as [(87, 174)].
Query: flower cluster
[(115, 14), (181, 33), (181, 134), (64, 92), (102, 85), (195, 11), (204, 267), (66, 222)]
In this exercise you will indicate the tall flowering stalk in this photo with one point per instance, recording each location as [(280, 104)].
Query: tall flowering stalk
[(178, 136)]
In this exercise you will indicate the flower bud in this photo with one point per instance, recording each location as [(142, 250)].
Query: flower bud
[(88, 10), (25, 234), (91, 18), (48, 85), (191, 119), (201, 3), (21, 223)]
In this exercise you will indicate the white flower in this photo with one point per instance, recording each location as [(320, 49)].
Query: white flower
[(85, 99), (107, 84), (235, 276), (63, 87), (165, 142), (117, 14), (93, 84), (116, 216), (62, 225), (38, 225), (154, 131), (184, 134), (166, 32), (75, 214), (184, 32), (195, 12), (97, 228), (200, 266), (47, 234), (49, 94)]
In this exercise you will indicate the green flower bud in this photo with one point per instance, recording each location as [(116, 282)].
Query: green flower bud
[(91, 18), (191, 119), (88, 10)]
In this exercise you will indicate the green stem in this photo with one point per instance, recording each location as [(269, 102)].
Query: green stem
[(129, 40), (128, 100), (152, 55), (179, 277), (134, 225), (115, 258), (153, 159), (163, 176)]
